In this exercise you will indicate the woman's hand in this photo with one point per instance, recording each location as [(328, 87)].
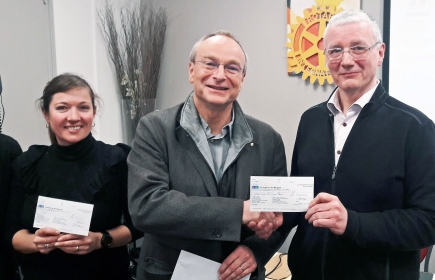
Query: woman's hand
[(78, 244), (45, 238)]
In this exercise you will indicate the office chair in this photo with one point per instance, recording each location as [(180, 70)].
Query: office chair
[(425, 255)]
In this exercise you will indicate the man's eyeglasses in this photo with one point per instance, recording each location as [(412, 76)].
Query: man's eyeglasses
[(211, 66), (357, 52)]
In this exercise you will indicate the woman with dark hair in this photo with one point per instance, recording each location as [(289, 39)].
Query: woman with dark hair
[(78, 168)]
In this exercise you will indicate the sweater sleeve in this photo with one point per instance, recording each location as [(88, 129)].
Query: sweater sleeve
[(122, 173), (412, 227), (15, 205)]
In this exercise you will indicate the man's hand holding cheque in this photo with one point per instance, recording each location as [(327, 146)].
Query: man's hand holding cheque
[(263, 223), (271, 196)]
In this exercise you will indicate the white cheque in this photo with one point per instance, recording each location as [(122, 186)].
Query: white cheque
[(281, 194), (64, 215)]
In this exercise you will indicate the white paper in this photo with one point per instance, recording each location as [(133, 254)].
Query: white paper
[(281, 194), (64, 215), (192, 267)]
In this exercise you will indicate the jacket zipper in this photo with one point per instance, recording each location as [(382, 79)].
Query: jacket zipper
[(325, 241), (387, 269), (333, 178)]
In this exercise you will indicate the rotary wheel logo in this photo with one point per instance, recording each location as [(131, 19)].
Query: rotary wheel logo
[(306, 44)]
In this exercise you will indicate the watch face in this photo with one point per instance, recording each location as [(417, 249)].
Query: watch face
[(106, 240)]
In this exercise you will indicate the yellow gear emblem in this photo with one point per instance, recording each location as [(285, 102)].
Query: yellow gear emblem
[(306, 44)]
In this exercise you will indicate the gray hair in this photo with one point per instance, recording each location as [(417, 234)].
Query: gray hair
[(217, 33), (354, 16)]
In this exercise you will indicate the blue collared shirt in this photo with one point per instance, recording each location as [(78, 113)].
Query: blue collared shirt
[(238, 132), (219, 145)]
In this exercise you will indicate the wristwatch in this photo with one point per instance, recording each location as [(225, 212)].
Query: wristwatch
[(106, 240)]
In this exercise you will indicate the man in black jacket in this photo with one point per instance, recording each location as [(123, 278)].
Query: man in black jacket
[(373, 162)]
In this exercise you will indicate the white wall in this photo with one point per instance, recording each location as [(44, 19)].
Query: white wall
[(77, 50), (26, 64), (412, 21)]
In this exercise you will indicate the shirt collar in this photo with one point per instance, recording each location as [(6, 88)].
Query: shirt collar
[(334, 105), (227, 128)]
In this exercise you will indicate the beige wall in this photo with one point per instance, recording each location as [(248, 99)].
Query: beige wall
[(268, 94)]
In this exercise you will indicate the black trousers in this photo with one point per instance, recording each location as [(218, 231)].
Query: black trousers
[(142, 274)]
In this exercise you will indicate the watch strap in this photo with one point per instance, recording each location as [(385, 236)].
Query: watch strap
[(106, 239)]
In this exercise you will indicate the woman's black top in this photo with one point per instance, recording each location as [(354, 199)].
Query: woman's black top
[(90, 172)]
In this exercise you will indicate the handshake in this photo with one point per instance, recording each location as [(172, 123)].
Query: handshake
[(263, 223)]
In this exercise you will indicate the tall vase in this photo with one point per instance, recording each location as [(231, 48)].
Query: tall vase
[(132, 111), (145, 106)]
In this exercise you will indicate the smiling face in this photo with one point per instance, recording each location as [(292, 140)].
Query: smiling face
[(216, 89), (354, 77), (70, 115)]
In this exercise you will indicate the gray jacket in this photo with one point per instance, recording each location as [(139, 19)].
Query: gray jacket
[(173, 195)]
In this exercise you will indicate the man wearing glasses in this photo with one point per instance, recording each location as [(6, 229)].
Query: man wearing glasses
[(373, 162), (190, 168)]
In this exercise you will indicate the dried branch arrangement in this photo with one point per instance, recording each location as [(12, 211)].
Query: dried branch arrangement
[(136, 50)]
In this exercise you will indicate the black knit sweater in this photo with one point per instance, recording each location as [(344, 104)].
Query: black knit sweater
[(385, 178)]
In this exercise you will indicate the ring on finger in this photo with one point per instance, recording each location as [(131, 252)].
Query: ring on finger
[(242, 268), (46, 246), (77, 248)]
